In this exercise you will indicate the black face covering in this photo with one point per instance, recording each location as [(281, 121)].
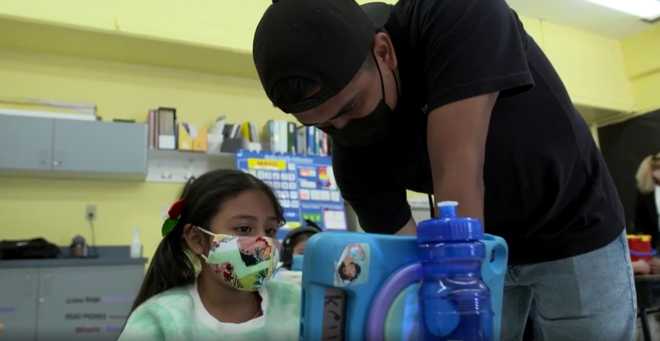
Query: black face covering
[(367, 130)]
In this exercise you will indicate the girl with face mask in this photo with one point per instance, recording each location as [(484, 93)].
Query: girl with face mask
[(210, 277)]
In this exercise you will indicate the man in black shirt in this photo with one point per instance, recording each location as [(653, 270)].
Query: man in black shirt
[(453, 98)]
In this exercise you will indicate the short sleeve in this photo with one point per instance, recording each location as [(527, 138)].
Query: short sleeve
[(470, 48), (380, 204)]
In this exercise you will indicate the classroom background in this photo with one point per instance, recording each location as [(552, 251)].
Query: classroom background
[(161, 91)]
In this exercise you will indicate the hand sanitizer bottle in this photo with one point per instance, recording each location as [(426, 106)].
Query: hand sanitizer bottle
[(136, 245)]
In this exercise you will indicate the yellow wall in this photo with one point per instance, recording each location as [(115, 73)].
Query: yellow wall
[(642, 57), (228, 24), (647, 93), (591, 66), (54, 208)]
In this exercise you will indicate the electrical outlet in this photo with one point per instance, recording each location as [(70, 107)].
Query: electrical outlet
[(90, 212)]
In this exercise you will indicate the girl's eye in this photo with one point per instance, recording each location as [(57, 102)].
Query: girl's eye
[(243, 229), (271, 232)]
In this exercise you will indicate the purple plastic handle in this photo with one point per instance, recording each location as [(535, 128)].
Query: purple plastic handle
[(381, 305)]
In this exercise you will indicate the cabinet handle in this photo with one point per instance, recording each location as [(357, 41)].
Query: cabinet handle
[(57, 163)]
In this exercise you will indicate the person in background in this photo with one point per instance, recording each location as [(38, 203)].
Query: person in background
[(295, 241), (209, 278), (646, 209), (294, 244)]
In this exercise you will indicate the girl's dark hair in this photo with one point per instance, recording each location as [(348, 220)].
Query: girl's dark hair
[(203, 198), (293, 238)]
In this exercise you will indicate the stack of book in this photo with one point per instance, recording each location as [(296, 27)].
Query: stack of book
[(278, 136), (286, 137)]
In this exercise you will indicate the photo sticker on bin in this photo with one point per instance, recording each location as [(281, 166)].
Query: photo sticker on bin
[(352, 268)]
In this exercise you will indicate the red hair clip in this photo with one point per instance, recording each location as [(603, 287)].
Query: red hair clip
[(175, 210), (174, 214)]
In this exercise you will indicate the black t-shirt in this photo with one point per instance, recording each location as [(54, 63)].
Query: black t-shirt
[(547, 189)]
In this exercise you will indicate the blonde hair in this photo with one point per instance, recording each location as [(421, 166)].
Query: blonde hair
[(644, 176)]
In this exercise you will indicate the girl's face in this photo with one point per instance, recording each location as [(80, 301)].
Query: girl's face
[(251, 213), (299, 249), (350, 270)]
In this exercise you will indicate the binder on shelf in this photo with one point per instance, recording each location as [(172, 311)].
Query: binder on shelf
[(245, 131), (230, 131), (301, 140), (322, 142), (234, 144), (186, 133), (311, 141), (284, 140), (270, 136), (254, 136), (291, 137), (166, 128), (201, 141), (191, 138), (216, 135), (151, 125), (279, 136)]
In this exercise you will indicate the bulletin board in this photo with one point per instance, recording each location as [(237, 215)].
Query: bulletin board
[(304, 185)]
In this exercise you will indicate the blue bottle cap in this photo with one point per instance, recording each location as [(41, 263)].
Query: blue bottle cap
[(448, 227)]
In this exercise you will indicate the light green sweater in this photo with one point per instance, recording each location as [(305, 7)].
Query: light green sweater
[(178, 314)]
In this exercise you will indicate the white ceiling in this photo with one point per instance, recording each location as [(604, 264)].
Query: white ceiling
[(582, 14)]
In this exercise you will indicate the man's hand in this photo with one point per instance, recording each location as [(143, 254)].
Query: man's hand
[(456, 141), (641, 267)]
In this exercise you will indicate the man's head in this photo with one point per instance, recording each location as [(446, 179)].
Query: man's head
[(323, 61)]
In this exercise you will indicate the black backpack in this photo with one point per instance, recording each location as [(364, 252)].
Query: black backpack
[(28, 249)]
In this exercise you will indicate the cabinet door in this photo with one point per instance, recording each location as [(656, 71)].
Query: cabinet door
[(18, 304), (25, 143), (86, 302), (100, 147)]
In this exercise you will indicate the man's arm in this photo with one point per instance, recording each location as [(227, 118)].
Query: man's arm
[(379, 203), (457, 143)]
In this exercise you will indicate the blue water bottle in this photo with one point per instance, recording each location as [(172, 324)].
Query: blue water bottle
[(455, 302)]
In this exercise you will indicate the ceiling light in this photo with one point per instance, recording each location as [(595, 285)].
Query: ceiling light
[(645, 9)]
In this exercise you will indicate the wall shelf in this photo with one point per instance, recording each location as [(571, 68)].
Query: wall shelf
[(177, 166)]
